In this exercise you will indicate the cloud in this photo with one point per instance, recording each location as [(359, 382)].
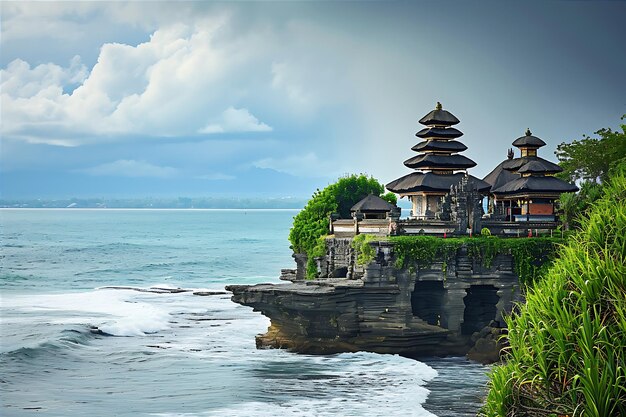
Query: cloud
[(236, 120), (131, 168), (169, 86)]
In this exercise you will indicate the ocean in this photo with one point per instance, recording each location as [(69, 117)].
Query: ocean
[(90, 326)]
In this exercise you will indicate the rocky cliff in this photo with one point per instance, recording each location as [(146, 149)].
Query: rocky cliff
[(442, 309)]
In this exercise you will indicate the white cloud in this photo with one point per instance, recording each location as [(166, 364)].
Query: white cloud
[(236, 120), (168, 86), (131, 168)]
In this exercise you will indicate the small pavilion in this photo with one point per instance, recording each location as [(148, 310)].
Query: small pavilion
[(373, 207)]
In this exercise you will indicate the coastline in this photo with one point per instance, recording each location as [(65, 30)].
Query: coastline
[(144, 209)]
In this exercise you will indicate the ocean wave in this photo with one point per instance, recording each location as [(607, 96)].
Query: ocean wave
[(113, 312), (303, 385), (12, 245), (67, 339), (108, 248)]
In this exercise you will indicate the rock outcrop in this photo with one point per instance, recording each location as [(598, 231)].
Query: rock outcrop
[(434, 311)]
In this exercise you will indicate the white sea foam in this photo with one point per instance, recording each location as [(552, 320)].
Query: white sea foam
[(350, 384), (114, 312)]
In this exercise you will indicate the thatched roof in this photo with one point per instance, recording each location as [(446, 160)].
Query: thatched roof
[(439, 132), (528, 141), (439, 145), (500, 176), (537, 167), (439, 117), (517, 163), (373, 203), (535, 185), (431, 161), (418, 181)]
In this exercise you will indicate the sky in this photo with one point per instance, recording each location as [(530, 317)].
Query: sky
[(276, 99)]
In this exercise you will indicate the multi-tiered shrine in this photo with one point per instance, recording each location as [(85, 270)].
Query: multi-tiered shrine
[(446, 200), (439, 166), (524, 189)]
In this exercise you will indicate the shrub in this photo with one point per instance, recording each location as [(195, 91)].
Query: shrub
[(311, 223), (364, 251), (531, 255)]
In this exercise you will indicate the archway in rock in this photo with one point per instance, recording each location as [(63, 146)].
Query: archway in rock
[(480, 308), (427, 301)]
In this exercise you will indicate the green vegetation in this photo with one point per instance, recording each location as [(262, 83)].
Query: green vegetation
[(575, 206), (365, 252), (415, 252), (591, 159), (588, 161), (313, 221), (531, 255), (567, 351), (390, 198)]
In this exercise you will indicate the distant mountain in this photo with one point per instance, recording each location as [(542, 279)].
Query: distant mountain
[(177, 203)]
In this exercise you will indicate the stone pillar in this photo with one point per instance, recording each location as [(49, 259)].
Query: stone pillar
[(357, 217), (454, 307), (509, 294), (301, 260)]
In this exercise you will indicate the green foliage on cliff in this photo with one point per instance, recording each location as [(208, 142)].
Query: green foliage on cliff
[(421, 251), (364, 251), (531, 255), (313, 221), (567, 351)]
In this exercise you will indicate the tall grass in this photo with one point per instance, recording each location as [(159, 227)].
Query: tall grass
[(567, 354)]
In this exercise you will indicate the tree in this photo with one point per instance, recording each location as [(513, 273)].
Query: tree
[(390, 198), (590, 159), (575, 206), (312, 222)]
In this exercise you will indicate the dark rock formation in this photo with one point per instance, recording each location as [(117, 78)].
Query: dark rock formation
[(488, 344), (434, 311)]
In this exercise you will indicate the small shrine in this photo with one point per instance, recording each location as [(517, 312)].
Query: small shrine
[(374, 207), (525, 189)]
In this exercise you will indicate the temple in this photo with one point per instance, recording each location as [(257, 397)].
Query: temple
[(405, 296), (446, 200), (438, 166), (524, 189)]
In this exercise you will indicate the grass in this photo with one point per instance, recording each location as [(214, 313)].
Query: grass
[(567, 354)]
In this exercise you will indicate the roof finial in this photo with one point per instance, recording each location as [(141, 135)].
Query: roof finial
[(528, 132), (438, 106), (510, 154)]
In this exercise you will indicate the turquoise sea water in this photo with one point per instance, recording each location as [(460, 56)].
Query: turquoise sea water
[(72, 346)]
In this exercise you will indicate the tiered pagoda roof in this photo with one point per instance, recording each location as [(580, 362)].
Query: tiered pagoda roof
[(529, 174), (438, 161)]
